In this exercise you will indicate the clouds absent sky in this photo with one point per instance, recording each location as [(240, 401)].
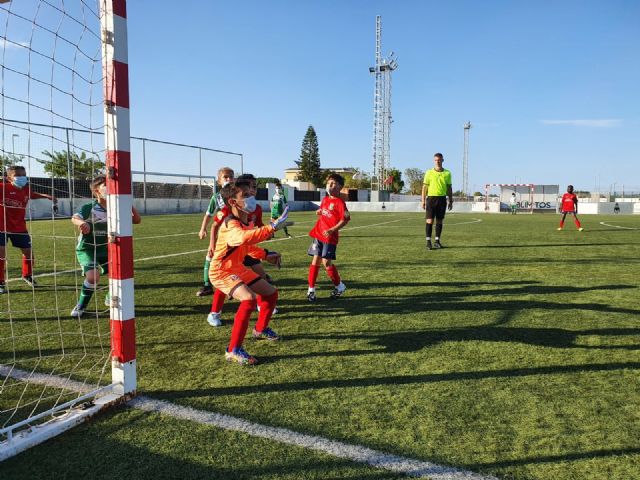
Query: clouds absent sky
[(550, 87)]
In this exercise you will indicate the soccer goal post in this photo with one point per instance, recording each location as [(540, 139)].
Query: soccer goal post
[(503, 197), (64, 108)]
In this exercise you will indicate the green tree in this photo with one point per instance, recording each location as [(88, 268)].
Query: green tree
[(81, 167), (359, 180), (478, 194), (309, 162), (8, 160), (415, 177), (397, 184), (262, 181)]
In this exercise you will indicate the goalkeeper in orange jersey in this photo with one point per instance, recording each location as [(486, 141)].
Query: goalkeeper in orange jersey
[(237, 238)]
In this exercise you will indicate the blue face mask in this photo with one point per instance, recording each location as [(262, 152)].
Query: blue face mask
[(249, 205), (20, 182)]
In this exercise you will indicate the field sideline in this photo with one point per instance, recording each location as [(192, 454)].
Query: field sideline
[(513, 352)]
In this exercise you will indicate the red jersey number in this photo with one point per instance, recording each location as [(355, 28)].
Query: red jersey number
[(332, 211)]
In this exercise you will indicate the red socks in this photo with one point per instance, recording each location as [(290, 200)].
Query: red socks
[(241, 323), (218, 301), (332, 271), (267, 304), (27, 270), (561, 223), (313, 275), (577, 222)]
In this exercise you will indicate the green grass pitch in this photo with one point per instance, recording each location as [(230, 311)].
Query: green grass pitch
[(514, 351)]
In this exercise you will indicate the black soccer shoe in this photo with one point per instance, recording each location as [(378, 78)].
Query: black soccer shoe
[(205, 291), (311, 296), (437, 244), (429, 247)]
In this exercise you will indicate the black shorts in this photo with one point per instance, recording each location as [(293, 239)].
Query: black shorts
[(18, 240), (322, 249), (436, 207)]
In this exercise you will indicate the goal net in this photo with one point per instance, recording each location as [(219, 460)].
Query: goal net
[(521, 197), (64, 120)]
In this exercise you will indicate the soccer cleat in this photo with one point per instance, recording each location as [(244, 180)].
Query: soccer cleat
[(437, 244), (205, 291), (213, 319), (29, 280), (559, 229), (241, 356), (77, 311), (266, 334), (311, 296), (339, 290), (580, 229), (429, 246), (3, 288)]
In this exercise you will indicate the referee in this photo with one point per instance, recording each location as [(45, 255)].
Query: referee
[(436, 188)]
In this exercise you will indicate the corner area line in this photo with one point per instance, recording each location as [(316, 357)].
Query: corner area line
[(356, 453), (618, 226)]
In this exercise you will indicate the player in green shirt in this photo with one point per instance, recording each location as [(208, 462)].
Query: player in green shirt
[(278, 203), (225, 175), (436, 188), (91, 250)]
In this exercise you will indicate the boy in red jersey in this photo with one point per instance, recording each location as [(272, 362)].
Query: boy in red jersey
[(570, 206), (237, 239), (15, 194), (254, 219), (333, 215)]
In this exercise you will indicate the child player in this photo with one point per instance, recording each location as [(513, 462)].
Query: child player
[(278, 203), (91, 250), (333, 215), (570, 206), (254, 219), (237, 239), (15, 194), (225, 176)]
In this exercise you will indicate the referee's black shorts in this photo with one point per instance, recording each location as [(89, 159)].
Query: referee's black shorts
[(436, 207)]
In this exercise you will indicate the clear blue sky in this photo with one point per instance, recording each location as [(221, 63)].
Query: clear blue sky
[(552, 87)]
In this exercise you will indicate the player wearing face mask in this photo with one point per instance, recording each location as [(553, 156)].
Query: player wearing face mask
[(278, 204), (15, 193), (91, 249)]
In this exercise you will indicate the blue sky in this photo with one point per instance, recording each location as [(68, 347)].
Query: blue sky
[(551, 87)]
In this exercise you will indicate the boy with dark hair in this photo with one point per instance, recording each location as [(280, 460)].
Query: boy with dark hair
[(570, 206), (237, 239), (15, 194), (333, 215), (225, 176), (278, 204)]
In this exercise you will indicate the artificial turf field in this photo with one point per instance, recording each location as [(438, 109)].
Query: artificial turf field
[(514, 351)]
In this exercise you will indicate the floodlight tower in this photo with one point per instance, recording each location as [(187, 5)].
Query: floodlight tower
[(381, 112), (465, 160)]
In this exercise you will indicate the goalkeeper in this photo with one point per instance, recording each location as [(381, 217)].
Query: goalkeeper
[(237, 238)]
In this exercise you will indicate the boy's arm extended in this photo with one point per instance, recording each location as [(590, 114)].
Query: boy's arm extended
[(238, 236)]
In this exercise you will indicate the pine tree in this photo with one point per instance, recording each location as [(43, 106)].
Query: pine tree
[(309, 163)]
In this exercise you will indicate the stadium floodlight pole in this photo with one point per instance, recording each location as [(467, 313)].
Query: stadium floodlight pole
[(465, 160), (119, 195), (13, 143)]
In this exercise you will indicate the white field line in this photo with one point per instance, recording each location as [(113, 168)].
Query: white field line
[(179, 254), (618, 226), (355, 453)]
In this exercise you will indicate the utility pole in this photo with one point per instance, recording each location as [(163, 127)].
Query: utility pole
[(465, 160)]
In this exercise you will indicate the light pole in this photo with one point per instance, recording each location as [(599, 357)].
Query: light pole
[(13, 143)]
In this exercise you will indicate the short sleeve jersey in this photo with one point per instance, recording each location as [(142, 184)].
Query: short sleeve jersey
[(332, 211), (96, 216), (216, 203), (513, 202), (569, 202), (278, 202), (13, 205), (437, 182)]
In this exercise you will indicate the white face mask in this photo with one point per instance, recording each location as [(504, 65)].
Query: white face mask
[(328, 191), (249, 205), (278, 191)]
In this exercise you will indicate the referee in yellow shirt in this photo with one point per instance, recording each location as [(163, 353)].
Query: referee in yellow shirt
[(435, 189)]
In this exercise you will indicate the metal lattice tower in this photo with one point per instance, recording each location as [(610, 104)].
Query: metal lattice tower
[(465, 160), (381, 112)]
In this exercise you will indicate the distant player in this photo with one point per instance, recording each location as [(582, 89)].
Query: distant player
[(237, 239), (278, 204), (436, 188), (333, 215), (15, 194), (513, 203), (616, 208), (570, 206), (91, 250), (225, 176), (254, 219)]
